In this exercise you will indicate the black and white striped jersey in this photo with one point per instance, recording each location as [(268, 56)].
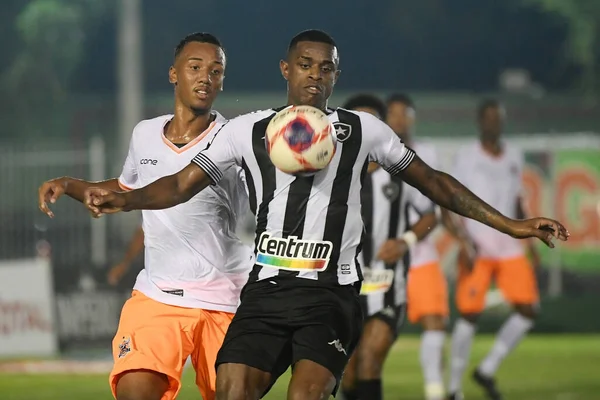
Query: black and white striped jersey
[(306, 227), (390, 208)]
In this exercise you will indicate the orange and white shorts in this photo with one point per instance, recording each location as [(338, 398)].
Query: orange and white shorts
[(159, 337), (427, 292), (514, 277)]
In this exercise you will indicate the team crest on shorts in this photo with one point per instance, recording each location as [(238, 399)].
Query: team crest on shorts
[(124, 347)]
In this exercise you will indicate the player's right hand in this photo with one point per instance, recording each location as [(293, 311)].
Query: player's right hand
[(102, 201), (49, 192)]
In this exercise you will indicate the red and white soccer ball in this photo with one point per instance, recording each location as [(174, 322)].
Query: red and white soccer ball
[(300, 140)]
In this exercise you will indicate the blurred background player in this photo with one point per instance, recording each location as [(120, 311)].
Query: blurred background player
[(397, 218), (384, 315), (492, 169), (195, 266), (426, 285)]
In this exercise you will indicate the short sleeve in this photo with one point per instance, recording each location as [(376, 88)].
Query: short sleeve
[(386, 147), (128, 180), (221, 153)]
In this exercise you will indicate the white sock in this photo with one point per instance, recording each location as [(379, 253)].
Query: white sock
[(511, 333), (462, 338), (432, 344)]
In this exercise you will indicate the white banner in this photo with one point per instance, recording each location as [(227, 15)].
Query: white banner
[(26, 309)]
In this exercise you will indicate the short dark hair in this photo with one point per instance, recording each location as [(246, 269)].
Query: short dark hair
[(401, 98), (366, 100), (486, 104), (311, 35), (200, 37)]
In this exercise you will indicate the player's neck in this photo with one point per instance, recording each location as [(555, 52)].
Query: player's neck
[(293, 102), (491, 146), (187, 125)]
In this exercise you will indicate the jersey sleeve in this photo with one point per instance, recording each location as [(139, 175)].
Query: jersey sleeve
[(128, 180), (221, 153), (386, 147)]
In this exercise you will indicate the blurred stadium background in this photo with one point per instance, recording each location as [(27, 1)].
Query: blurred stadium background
[(76, 75)]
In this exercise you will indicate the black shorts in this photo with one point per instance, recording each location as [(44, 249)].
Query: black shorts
[(393, 316), (282, 321)]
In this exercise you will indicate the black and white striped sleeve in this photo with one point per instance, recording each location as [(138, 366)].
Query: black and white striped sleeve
[(386, 147), (219, 155)]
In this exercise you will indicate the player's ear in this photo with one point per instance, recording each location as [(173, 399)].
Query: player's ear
[(284, 67), (172, 75)]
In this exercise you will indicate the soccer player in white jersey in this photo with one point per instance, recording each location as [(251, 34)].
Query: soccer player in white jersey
[(492, 169), (195, 266), (303, 309)]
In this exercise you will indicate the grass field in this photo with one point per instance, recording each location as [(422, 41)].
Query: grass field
[(557, 367)]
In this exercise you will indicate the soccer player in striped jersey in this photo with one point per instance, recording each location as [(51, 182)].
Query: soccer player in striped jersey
[(398, 220), (301, 304), (195, 266)]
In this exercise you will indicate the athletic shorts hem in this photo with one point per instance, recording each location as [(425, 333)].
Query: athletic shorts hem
[(142, 363), (234, 360), (395, 324)]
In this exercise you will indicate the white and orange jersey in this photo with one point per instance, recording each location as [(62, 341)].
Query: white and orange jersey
[(193, 257), (498, 181)]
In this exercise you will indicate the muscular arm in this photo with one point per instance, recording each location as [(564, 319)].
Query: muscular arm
[(168, 191), (451, 194), (75, 188), (454, 227)]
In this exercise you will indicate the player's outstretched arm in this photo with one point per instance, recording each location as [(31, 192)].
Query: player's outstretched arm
[(163, 193), (451, 194), (50, 191)]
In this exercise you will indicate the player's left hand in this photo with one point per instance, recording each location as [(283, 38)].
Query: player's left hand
[(392, 250), (101, 201), (544, 229)]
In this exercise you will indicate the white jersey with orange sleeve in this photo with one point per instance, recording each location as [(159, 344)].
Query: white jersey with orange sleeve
[(193, 257), (497, 180)]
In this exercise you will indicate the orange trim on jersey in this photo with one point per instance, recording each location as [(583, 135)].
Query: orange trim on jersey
[(190, 144), (123, 186)]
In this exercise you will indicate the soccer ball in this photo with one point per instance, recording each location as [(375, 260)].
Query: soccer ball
[(300, 140)]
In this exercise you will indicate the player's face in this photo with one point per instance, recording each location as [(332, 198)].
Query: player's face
[(400, 118), (492, 122), (198, 75), (311, 71)]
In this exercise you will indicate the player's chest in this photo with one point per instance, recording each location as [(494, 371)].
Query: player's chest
[(386, 190), (158, 159), (485, 172)]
